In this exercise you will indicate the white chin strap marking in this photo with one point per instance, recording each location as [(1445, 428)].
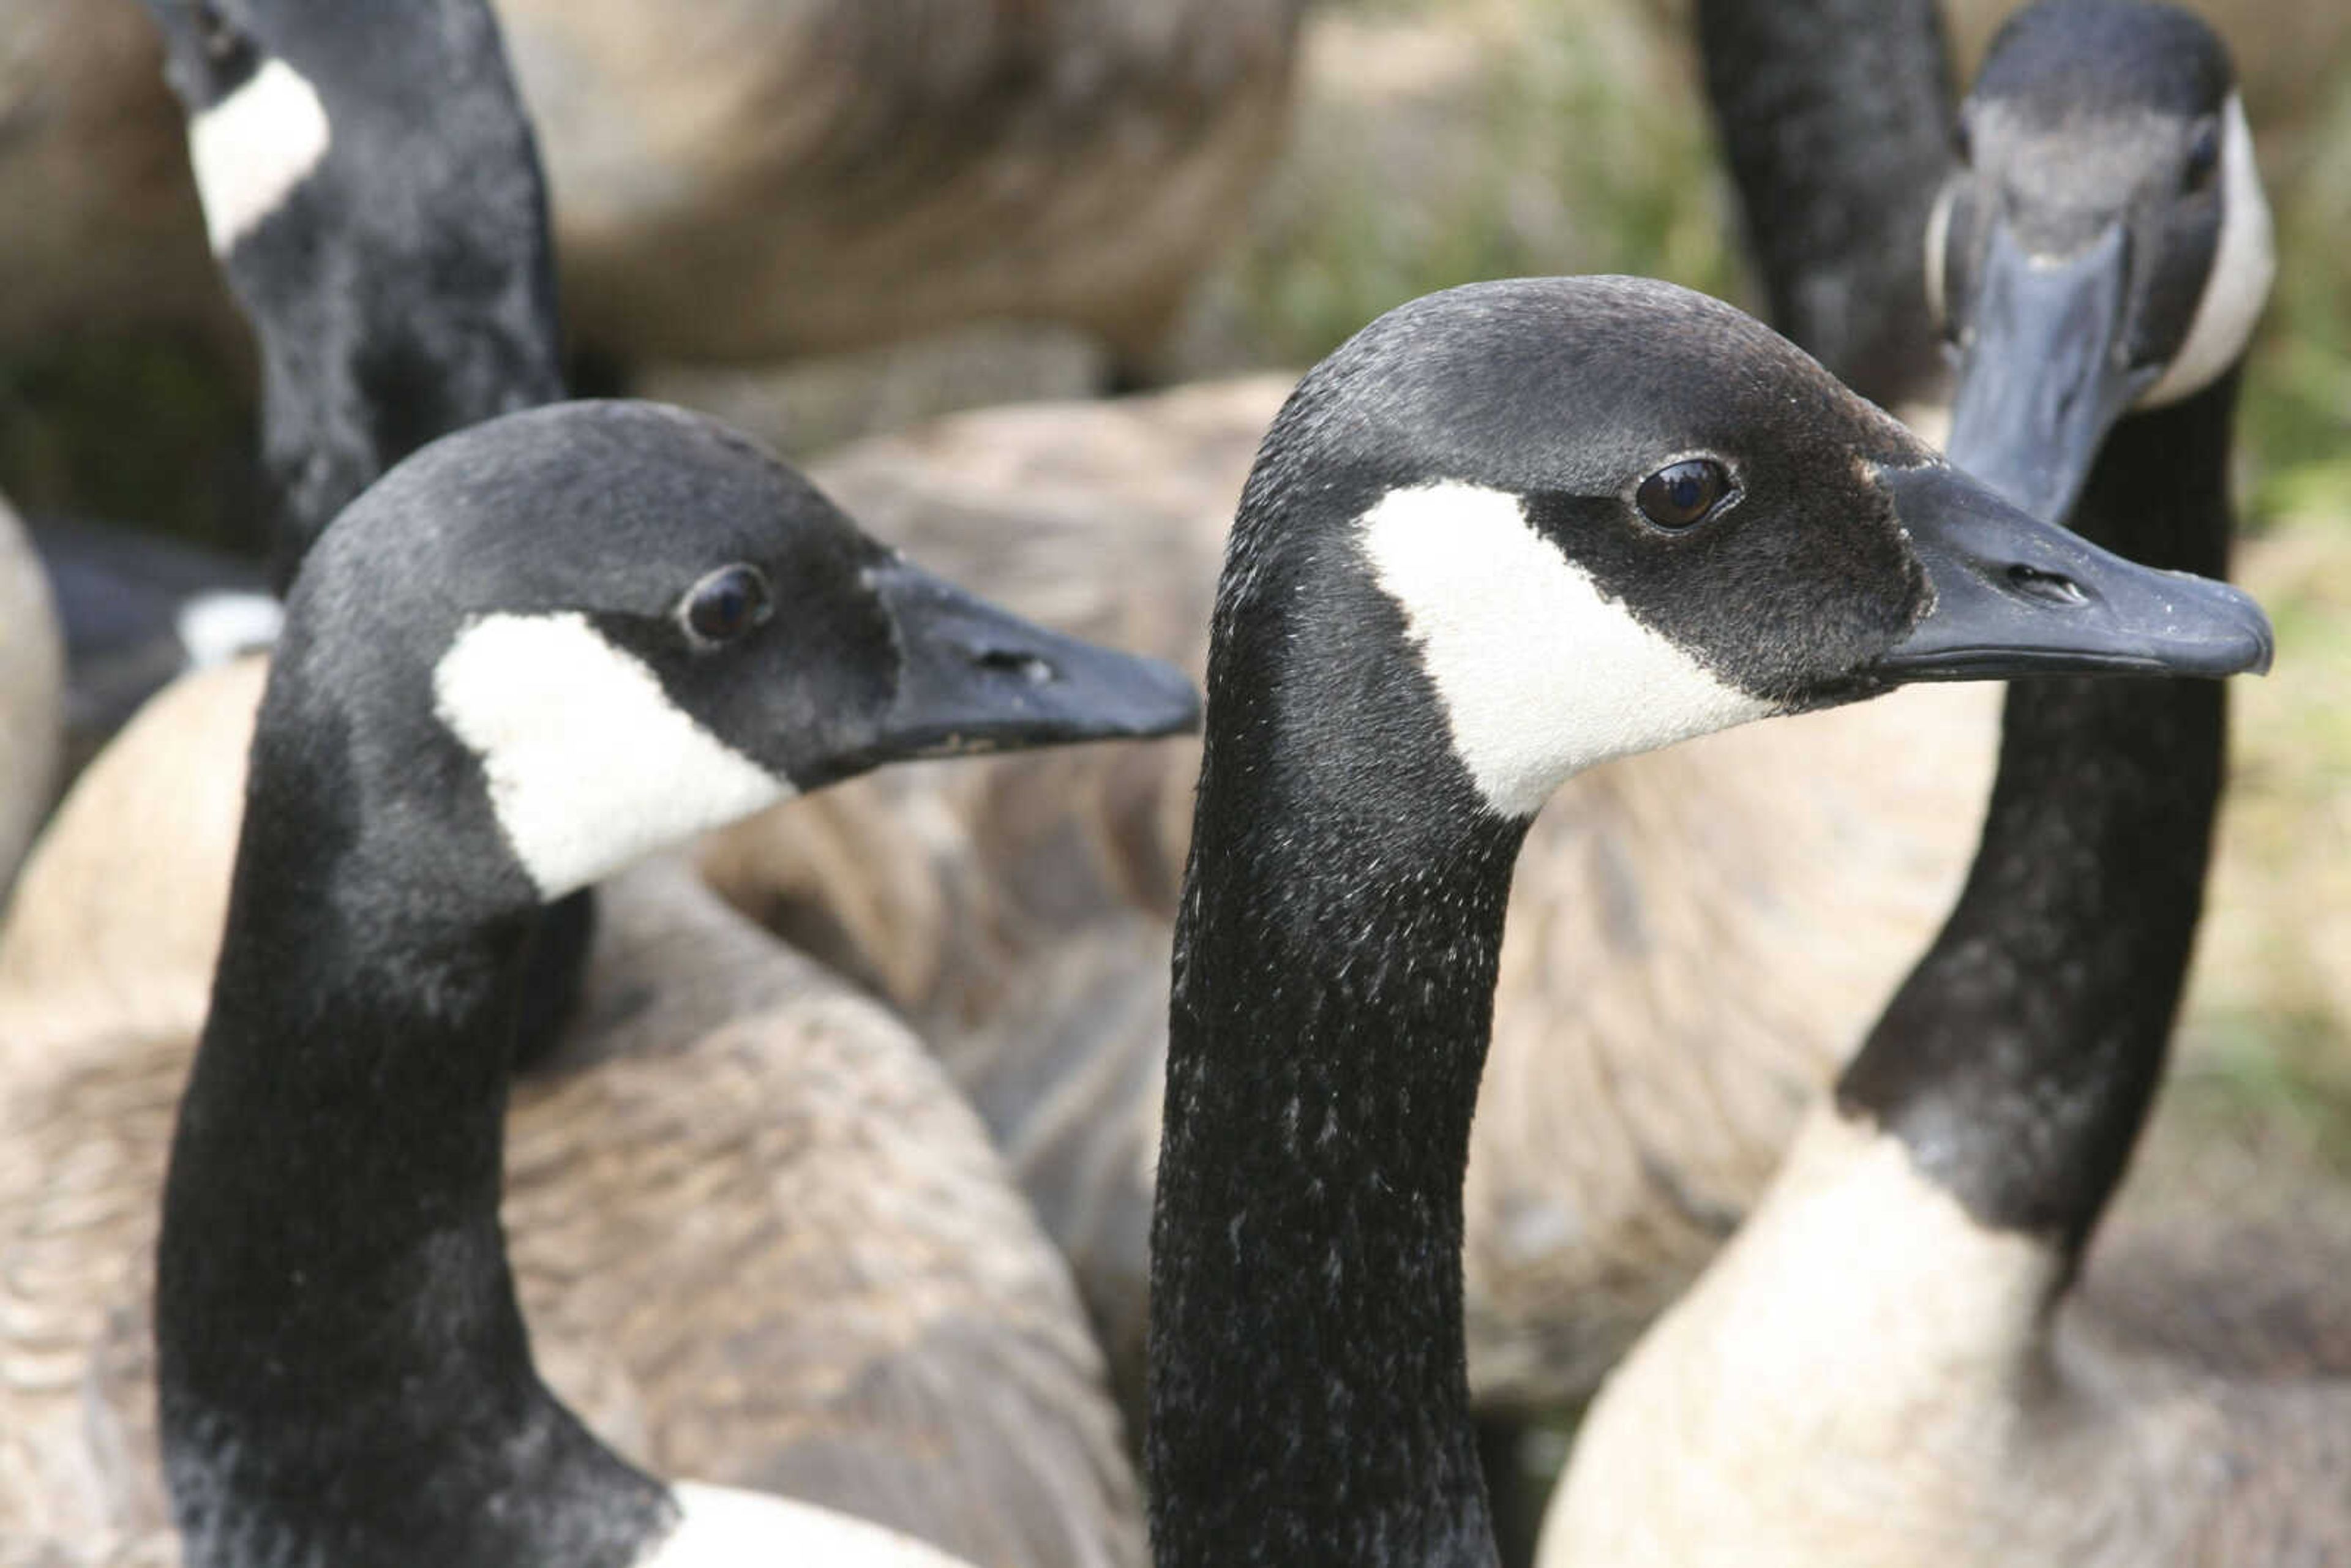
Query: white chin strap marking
[(1540, 674), (589, 764), (1939, 238), (253, 148), (2243, 264)]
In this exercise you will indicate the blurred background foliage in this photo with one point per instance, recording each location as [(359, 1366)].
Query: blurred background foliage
[(1441, 141)]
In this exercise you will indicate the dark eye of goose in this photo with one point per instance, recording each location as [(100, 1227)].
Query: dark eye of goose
[(1684, 493), (2203, 156), (1963, 142), (221, 40), (725, 605)]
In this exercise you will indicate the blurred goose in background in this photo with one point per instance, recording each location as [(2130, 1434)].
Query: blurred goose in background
[(780, 178), (927, 1363), (1885, 1364), (32, 677), (344, 1367), (1507, 532)]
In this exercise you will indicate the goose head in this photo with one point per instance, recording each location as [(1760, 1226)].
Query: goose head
[(293, 108), (372, 189), (2106, 243), (1608, 513), (570, 636)]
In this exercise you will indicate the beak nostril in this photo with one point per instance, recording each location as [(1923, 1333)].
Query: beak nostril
[(1028, 666), (2054, 588)]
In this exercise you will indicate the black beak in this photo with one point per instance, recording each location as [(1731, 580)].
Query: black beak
[(2042, 377), (2018, 597), (974, 678)]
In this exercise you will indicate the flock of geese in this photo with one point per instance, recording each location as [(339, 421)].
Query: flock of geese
[(364, 1003)]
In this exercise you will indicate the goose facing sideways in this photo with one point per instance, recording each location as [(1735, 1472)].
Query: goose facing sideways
[(372, 189), (1889, 1364), (463, 724), (1507, 532), (856, 1307)]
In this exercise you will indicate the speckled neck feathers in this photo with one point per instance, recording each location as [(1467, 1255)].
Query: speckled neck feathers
[(1333, 994)]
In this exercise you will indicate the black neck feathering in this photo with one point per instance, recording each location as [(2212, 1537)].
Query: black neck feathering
[(2020, 1058), (1834, 115), (344, 1371), (1334, 972)]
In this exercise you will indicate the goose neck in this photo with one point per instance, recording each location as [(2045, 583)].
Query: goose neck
[(340, 1353), (1332, 1001), (2019, 1060)]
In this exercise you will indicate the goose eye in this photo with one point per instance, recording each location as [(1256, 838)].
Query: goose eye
[(219, 37), (2203, 156), (725, 605), (1963, 142), (1683, 493)]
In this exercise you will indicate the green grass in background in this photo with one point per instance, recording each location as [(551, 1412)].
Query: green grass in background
[(1443, 143)]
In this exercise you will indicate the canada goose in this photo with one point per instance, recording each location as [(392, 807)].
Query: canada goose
[(970, 1412), (31, 694), (780, 178), (423, 778), (1885, 1364), (757, 1236), (430, 305), (1507, 532)]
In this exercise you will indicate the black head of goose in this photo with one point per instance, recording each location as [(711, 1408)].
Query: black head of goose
[(373, 190), (461, 724), (1505, 533), (1896, 1293), (2104, 247)]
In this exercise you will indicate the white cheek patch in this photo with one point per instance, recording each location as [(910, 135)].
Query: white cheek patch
[(253, 148), (1540, 674), (2244, 262), (1938, 240), (720, 1527), (589, 764)]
